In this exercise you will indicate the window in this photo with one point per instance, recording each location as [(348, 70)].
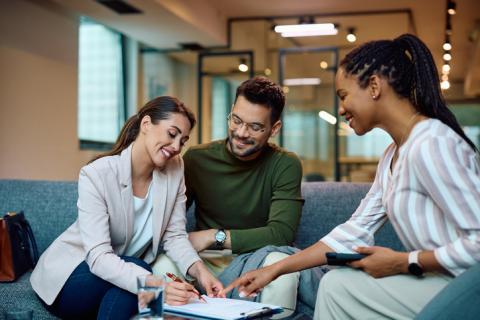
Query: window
[(101, 104), (221, 104)]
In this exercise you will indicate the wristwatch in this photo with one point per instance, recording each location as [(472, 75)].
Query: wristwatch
[(414, 267), (220, 237)]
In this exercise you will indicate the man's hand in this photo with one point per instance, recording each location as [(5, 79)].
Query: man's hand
[(212, 285), (202, 240), (381, 262), (252, 282)]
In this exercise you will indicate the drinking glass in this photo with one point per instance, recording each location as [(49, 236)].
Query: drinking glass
[(150, 296)]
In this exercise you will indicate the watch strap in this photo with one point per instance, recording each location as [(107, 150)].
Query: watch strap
[(413, 257), (414, 266)]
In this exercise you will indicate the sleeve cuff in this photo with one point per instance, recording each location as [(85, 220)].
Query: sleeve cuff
[(335, 245), (186, 264), (442, 256)]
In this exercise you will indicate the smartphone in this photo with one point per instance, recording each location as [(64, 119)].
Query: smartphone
[(341, 259)]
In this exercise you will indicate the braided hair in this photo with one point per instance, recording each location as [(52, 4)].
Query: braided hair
[(408, 66)]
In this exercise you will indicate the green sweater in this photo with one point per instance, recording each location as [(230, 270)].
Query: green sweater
[(259, 201)]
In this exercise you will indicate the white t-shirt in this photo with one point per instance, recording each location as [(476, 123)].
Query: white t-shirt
[(142, 228)]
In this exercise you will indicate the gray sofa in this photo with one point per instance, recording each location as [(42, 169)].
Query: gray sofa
[(50, 208)]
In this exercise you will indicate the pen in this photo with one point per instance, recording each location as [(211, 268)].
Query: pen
[(177, 279)]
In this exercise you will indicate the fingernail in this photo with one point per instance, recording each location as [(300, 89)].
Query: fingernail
[(242, 294), (355, 247), (253, 295)]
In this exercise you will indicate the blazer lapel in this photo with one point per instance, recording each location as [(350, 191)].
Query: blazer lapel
[(125, 175), (160, 191)]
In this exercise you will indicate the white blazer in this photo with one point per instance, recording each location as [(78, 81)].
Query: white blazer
[(104, 227)]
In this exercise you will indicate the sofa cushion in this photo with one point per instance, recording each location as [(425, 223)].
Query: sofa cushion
[(328, 204), (19, 296)]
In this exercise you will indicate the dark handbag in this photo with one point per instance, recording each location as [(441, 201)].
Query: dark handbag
[(18, 249)]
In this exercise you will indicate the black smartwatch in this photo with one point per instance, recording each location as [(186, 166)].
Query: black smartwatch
[(414, 267), (220, 237)]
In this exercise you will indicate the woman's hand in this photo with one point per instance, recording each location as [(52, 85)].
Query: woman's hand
[(252, 282), (381, 262), (178, 293)]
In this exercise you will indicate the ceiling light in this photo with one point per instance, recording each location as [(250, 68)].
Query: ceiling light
[(445, 85), (267, 71), (447, 56), (327, 117), (451, 8), (307, 30), (351, 37), (447, 44), (446, 68), (302, 82), (242, 66), (323, 64)]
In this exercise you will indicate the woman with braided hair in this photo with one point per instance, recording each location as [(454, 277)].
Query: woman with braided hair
[(427, 184)]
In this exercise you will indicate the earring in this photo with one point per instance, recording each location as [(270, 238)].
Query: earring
[(374, 97)]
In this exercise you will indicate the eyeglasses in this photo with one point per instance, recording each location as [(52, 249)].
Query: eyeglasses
[(235, 123)]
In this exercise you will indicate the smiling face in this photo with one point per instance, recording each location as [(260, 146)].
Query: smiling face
[(243, 142), (165, 139), (356, 104)]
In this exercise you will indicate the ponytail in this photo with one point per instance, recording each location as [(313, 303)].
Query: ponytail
[(128, 134), (408, 66), (429, 99), (157, 109)]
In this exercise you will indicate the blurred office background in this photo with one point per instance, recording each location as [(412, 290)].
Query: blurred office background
[(72, 71)]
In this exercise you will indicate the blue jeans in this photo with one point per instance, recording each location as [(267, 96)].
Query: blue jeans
[(86, 296)]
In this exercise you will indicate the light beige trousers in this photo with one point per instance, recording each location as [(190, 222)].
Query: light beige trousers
[(281, 292), (347, 293)]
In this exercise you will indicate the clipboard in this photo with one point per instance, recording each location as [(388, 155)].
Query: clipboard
[(223, 309)]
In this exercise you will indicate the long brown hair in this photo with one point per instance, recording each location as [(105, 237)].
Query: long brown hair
[(157, 109)]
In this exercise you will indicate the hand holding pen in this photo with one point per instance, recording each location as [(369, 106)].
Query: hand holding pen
[(177, 279)]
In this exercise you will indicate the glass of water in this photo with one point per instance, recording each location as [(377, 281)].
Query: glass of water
[(150, 296)]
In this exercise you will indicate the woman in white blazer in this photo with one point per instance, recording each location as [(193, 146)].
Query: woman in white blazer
[(130, 201)]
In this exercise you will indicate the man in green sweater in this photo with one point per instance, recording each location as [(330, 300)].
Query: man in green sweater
[(246, 190)]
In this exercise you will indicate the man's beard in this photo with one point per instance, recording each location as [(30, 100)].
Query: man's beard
[(244, 152)]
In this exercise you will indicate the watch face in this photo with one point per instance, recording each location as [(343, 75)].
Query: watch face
[(220, 236), (415, 269)]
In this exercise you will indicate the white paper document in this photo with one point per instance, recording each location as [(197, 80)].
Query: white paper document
[(220, 308)]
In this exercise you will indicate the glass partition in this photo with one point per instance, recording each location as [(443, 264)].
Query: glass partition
[(220, 73), (310, 116)]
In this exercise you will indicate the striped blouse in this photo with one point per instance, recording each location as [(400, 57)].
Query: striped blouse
[(432, 198)]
